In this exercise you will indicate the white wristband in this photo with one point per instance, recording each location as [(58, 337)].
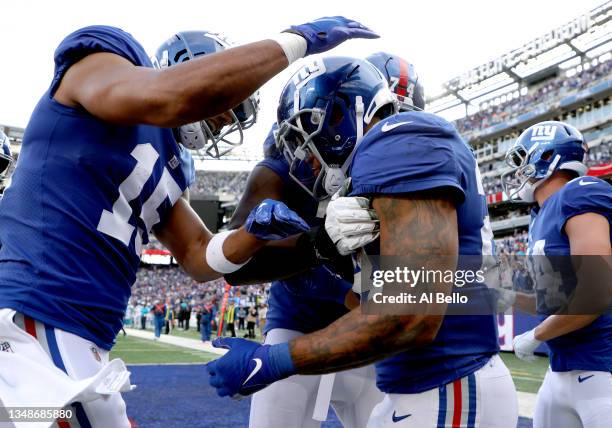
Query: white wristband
[(292, 44), (215, 257)]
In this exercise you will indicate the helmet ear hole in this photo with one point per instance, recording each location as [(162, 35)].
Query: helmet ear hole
[(547, 155), (337, 114), (385, 111)]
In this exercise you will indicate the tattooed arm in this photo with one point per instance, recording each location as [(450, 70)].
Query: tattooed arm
[(416, 224)]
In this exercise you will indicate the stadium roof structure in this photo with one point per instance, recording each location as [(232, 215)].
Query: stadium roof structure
[(15, 135), (13, 132), (580, 40)]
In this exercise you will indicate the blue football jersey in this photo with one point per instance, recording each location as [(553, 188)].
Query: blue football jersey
[(84, 197), (286, 309), (418, 151), (589, 348)]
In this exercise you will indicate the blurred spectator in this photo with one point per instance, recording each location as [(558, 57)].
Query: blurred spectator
[(263, 312), (230, 316), (144, 311), (169, 317), (251, 319), (521, 280), (159, 312), (242, 313), (206, 321)]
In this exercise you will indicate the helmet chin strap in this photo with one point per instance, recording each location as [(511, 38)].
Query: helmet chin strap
[(359, 118), (334, 176), (527, 192)]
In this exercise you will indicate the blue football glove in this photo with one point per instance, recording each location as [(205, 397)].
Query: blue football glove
[(272, 220), (248, 366), (320, 283), (324, 34)]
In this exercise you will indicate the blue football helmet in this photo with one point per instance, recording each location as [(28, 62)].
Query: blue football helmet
[(195, 136), (403, 80), (6, 159), (323, 111), (538, 152)]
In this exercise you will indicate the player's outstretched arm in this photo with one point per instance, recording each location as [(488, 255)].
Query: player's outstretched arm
[(285, 258), (409, 225), (205, 256), (114, 90)]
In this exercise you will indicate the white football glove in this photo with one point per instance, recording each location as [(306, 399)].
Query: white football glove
[(351, 223), (525, 344)]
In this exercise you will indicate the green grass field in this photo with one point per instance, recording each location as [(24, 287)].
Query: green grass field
[(133, 350), (193, 333), (527, 376)]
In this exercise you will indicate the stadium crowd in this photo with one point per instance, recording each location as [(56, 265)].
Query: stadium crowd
[(491, 185), (219, 182), (600, 154), (166, 294), (511, 251), (546, 93)]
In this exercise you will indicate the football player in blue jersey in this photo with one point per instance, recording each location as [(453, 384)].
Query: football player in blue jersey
[(425, 187), (573, 216), (293, 312), (100, 169), (308, 302)]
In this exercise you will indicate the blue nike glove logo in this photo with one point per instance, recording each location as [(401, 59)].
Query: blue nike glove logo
[(399, 418), (582, 379)]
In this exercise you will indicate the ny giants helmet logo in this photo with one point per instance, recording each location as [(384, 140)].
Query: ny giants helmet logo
[(305, 74), (543, 133)]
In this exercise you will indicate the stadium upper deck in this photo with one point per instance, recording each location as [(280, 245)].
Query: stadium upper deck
[(563, 75)]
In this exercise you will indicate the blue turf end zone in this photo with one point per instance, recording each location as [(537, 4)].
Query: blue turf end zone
[(179, 396), (171, 396)]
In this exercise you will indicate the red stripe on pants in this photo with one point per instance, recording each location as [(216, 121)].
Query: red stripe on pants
[(30, 326), (457, 403)]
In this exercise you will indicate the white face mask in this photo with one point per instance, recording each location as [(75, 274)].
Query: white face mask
[(334, 179), (200, 136), (527, 191)]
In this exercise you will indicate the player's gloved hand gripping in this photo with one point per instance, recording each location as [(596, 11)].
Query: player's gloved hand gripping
[(248, 366), (350, 222), (269, 221), (272, 220)]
